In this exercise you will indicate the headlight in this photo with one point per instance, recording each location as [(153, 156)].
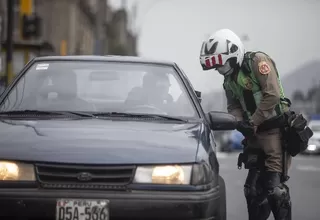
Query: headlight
[(16, 171), (312, 147), (168, 174)]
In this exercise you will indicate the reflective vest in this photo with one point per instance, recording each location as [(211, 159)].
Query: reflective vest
[(246, 89)]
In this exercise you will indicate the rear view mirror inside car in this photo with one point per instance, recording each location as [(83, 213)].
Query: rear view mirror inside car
[(104, 75), (198, 93)]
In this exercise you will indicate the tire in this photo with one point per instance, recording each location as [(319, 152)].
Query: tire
[(222, 211)]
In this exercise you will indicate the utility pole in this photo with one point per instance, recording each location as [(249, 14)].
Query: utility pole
[(104, 25), (3, 80), (103, 5), (26, 10), (99, 28), (1, 63), (9, 42)]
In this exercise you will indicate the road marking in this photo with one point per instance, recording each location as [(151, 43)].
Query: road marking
[(221, 155), (308, 168), (227, 167)]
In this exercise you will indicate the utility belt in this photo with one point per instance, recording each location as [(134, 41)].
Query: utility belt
[(295, 137), (294, 129)]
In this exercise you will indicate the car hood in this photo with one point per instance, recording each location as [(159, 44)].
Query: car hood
[(95, 141)]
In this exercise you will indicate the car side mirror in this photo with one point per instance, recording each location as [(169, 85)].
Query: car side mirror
[(198, 94), (220, 121)]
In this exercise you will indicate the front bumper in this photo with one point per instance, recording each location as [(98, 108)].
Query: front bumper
[(41, 203)]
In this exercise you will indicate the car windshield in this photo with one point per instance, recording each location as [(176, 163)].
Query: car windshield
[(95, 86)]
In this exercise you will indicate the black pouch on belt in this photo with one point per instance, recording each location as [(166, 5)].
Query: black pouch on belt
[(297, 134), (250, 157)]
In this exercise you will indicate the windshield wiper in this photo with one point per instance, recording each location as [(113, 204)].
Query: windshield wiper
[(82, 114), (139, 115), (31, 112), (91, 115), (38, 112)]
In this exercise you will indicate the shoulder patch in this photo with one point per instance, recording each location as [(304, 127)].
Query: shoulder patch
[(264, 68)]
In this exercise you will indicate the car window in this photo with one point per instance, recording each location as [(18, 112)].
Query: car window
[(101, 87)]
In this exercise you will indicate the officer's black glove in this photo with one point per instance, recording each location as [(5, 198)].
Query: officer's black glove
[(246, 128)]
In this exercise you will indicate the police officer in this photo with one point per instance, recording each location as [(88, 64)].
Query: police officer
[(254, 95)]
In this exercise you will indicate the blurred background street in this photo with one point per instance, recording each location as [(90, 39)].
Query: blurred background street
[(288, 31)]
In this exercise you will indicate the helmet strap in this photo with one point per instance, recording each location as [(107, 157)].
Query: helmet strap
[(234, 65), (245, 67)]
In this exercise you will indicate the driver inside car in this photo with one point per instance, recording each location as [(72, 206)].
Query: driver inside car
[(154, 92)]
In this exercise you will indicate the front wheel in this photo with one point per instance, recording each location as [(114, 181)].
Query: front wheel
[(222, 211)]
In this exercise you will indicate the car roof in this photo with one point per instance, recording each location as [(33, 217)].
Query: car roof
[(110, 58)]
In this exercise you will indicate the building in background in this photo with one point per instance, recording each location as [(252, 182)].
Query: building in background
[(69, 25), (74, 21), (69, 28), (121, 41)]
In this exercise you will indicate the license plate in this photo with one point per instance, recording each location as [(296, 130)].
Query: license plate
[(82, 209)]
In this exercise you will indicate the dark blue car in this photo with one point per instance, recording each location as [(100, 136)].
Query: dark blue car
[(108, 137)]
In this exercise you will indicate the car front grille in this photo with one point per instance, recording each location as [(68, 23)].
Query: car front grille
[(84, 177)]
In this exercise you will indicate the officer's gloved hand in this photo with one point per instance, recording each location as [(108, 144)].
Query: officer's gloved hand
[(246, 128)]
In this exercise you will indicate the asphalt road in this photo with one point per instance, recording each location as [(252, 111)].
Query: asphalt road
[(304, 186)]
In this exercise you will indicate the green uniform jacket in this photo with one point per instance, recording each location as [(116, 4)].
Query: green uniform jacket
[(255, 93)]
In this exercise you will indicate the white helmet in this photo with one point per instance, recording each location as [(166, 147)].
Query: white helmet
[(217, 51)]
